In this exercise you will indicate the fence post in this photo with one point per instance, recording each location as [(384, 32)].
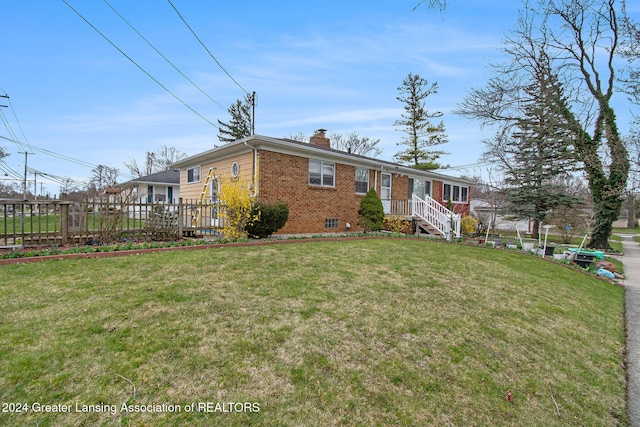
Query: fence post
[(64, 219), (180, 224)]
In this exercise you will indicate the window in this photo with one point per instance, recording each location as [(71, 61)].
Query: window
[(193, 174), (362, 181), (446, 192), (331, 223), (321, 173), (464, 195), (455, 193), (235, 169)]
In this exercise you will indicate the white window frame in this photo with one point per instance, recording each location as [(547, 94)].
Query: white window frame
[(323, 166), (459, 194), (362, 170), (446, 197), (193, 174)]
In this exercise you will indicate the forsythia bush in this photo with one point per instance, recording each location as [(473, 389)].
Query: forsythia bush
[(237, 205), (397, 224), (468, 225)]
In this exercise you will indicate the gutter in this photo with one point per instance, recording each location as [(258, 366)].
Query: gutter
[(255, 168)]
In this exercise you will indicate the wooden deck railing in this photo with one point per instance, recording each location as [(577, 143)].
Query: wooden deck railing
[(105, 220)]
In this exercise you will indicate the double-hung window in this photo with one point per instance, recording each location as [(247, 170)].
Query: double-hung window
[(362, 181), (321, 173), (193, 174), (446, 192)]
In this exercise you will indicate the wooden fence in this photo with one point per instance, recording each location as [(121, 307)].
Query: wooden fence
[(101, 220)]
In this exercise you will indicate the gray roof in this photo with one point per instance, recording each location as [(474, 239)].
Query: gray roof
[(168, 177)]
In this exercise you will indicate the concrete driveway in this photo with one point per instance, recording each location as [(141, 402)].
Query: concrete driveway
[(631, 261)]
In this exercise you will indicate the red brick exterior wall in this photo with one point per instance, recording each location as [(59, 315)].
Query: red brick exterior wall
[(285, 178)]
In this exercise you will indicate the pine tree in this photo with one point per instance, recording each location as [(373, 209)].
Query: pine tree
[(240, 124), (541, 150), (421, 132)]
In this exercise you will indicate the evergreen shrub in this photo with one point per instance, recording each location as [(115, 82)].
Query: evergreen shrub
[(371, 212), (270, 218)]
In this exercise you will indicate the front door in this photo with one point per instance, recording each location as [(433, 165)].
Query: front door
[(385, 192)]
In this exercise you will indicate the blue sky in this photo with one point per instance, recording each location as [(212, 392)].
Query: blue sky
[(331, 64)]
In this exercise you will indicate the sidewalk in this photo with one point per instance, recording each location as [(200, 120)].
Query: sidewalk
[(631, 261)]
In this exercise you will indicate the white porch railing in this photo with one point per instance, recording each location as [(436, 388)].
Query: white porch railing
[(436, 215)]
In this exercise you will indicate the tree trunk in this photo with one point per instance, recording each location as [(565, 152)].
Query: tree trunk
[(535, 230), (607, 190)]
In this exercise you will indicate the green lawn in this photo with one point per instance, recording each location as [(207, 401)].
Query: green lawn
[(51, 223), (367, 332)]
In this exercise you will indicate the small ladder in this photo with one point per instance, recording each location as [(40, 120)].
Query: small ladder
[(203, 197)]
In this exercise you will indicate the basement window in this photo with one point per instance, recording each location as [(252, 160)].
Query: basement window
[(331, 223)]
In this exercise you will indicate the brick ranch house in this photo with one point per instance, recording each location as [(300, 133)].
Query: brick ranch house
[(322, 186)]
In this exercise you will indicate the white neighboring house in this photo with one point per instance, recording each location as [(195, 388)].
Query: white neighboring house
[(161, 187), (483, 209)]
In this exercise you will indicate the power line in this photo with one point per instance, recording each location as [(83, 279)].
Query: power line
[(205, 48), (64, 157), (8, 171), (55, 178), (160, 53), (139, 67), (15, 116)]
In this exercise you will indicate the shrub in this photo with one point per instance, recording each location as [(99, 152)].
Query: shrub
[(371, 212), (397, 224), (271, 218), (237, 204), (469, 225)]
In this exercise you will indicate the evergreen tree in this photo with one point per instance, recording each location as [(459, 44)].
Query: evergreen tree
[(240, 124), (540, 151), (421, 132), (371, 212)]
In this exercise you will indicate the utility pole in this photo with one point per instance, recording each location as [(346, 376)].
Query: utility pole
[(24, 184), (253, 113)]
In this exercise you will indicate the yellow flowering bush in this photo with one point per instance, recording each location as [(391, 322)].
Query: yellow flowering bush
[(468, 225), (397, 224), (236, 202)]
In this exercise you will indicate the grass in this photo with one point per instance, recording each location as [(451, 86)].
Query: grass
[(370, 332), (43, 223)]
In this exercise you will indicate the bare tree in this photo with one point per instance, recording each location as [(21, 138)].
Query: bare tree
[(155, 161), (356, 144), (102, 177), (580, 38)]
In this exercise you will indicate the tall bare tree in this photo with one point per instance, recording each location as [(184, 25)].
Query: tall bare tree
[(581, 39)]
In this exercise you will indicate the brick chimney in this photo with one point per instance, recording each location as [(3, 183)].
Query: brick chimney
[(318, 138)]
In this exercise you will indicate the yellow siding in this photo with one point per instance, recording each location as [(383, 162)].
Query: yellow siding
[(191, 191)]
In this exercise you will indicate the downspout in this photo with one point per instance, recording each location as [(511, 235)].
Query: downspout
[(255, 169)]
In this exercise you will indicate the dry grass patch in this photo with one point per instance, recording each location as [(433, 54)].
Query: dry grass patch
[(375, 332)]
